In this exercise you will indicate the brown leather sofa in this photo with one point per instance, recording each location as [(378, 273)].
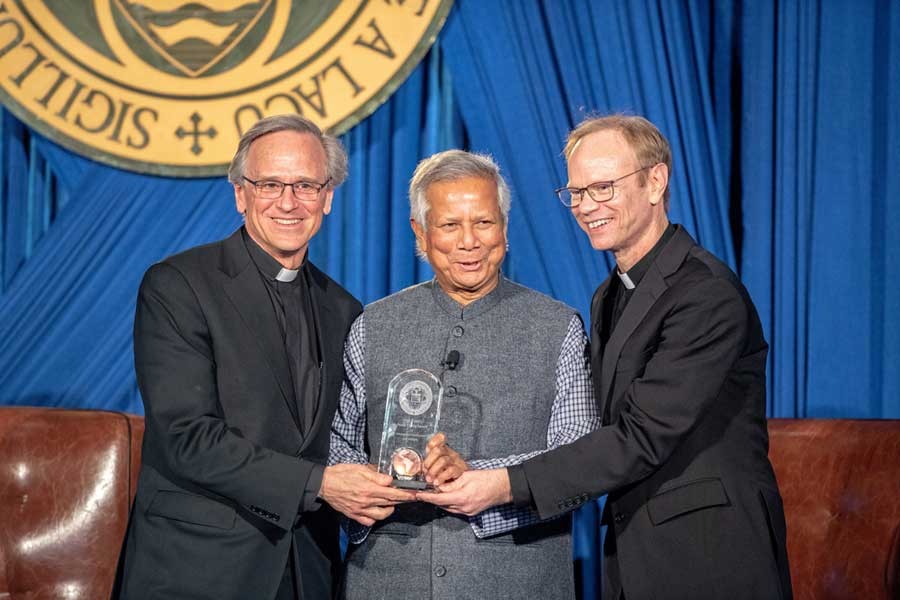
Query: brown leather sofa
[(840, 481), (67, 478)]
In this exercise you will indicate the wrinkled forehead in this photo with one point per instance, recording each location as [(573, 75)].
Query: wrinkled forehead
[(467, 193)]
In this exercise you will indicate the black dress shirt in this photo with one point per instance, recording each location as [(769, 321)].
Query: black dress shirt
[(289, 293)]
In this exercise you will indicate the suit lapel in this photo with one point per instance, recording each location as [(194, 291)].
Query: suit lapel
[(650, 288), (325, 335), (246, 291)]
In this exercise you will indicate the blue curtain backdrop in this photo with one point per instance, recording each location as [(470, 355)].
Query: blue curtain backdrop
[(784, 118)]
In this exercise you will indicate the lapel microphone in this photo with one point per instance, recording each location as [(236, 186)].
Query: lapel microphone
[(451, 361)]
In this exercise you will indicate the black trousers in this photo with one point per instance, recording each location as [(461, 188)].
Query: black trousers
[(287, 589)]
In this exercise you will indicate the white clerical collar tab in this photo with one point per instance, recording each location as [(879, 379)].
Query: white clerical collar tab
[(626, 280), (287, 275)]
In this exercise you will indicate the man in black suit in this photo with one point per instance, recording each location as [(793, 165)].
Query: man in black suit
[(238, 353), (678, 362)]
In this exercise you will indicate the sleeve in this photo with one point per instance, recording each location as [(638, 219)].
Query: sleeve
[(701, 338), (574, 414), (177, 375), (310, 501), (348, 429), (518, 487)]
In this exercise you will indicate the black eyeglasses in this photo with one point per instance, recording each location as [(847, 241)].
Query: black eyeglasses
[(302, 190), (599, 191)]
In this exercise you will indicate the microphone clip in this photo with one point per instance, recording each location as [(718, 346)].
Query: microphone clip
[(451, 361)]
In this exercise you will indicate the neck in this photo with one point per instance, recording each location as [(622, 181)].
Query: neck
[(628, 257), (292, 262), (466, 297)]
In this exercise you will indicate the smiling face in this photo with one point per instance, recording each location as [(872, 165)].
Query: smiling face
[(465, 241), (631, 223), (283, 226)]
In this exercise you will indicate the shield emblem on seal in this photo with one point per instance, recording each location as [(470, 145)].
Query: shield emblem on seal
[(192, 35)]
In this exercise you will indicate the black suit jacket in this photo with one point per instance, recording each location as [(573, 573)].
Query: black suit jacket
[(224, 462), (693, 508)]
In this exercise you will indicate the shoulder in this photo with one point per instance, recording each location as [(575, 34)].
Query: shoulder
[(183, 270), (406, 297), (336, 293), (524, 299), (707, 293), (199, 258), (703, 275)]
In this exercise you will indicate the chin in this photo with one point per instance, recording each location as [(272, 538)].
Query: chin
[(600, 242)]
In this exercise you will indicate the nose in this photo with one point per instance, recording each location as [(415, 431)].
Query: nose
[(286, 201), (587, 204), (467, 238)]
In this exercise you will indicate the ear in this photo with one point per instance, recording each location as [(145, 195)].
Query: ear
[(240, 200), (658, 181), (329, 195), (421, 239)]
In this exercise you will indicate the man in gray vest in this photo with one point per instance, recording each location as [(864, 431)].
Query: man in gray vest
[(519, 385)]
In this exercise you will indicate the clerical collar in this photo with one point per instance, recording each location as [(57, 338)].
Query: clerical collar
[(270, 268), (287, 275), (626, 280), (633, 276)]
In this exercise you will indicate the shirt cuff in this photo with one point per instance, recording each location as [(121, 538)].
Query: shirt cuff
[(310, 500), (518, 486)]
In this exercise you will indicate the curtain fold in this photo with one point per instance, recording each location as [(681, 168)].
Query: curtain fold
[(819, 96), (68, 310)]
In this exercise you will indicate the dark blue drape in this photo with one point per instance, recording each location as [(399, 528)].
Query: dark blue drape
[(819, 98), (785, 127)]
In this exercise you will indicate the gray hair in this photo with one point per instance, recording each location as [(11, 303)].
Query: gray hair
[(451, 165), (335, 155)]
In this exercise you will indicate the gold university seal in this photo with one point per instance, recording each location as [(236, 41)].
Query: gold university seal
[(169, 86)]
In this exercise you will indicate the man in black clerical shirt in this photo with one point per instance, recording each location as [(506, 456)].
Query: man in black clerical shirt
[(238, 354), (678, 361)]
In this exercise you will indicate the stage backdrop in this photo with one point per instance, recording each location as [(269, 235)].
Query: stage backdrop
[(785, 127)]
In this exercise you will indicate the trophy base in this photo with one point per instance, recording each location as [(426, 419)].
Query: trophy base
[(406, 484)]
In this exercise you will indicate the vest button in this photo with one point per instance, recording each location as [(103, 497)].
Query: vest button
[(451, 391), (440, 571), (458, 331)]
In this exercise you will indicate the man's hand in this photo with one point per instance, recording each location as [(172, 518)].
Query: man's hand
[(442, 463), (361, 493), (472, 493)]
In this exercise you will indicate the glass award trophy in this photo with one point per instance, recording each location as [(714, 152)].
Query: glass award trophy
[(410, 419)]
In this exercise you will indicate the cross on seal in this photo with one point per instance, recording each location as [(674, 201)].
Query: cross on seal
[(196, 133)]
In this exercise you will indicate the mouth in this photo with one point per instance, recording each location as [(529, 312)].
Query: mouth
[(599, 223), (469, 265), (287, 221)]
